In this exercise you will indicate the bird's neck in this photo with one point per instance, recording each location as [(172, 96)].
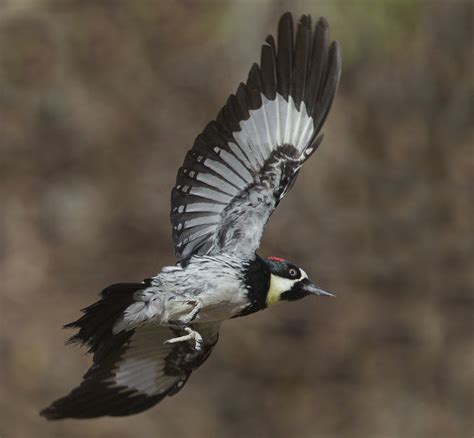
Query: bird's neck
[(257, 280)]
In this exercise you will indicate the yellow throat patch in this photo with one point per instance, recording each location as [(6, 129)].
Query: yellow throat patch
[(278, 285)]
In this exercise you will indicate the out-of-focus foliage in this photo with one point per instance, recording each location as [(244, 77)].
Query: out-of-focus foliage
[(100, 100)]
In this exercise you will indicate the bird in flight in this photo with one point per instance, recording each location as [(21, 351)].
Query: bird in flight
[(146, 338)]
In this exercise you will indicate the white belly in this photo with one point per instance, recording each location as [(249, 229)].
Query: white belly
[(220, 304)]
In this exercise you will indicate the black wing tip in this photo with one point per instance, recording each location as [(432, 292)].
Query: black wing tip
[(286, 17), (52, 413), (305, 21), (285, 24), (48, 414), (270, 40), (287, 20), (72, 325), (335, 49), (322, 23), (92, 402), (254, 73), (335, 56)]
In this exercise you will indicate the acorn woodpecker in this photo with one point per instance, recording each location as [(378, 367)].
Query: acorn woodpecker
[(146, 338)]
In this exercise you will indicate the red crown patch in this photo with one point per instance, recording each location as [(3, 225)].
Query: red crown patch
[(276, 259)]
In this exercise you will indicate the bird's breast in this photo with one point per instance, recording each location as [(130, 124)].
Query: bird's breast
[(221, 303)]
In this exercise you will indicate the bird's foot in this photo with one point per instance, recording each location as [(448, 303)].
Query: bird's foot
[(189, 317), (192, 335)]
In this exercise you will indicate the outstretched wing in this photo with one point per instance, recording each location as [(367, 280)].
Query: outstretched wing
[(132, 370), (246, 160)]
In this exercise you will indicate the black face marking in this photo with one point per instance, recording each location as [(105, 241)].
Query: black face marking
[(296, 292), (257, 279), (283, 268)]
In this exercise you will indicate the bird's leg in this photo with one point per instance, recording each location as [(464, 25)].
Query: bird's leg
[(182, 323), (191, 335), (189, 317)]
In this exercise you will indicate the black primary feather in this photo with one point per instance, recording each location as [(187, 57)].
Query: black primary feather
[(228, 159)]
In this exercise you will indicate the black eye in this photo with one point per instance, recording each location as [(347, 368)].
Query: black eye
[(293, 273)]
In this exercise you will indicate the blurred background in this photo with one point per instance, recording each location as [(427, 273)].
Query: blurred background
[(99, 102)]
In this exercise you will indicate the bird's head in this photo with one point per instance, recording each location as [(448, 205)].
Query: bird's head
[(288, 282)]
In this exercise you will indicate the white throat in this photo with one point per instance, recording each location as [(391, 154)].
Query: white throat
[(279, 285)]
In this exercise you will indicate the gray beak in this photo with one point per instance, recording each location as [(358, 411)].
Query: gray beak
[(312, 289)]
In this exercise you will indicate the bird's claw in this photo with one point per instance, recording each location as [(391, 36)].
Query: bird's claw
[(190, 336), (191, 315)]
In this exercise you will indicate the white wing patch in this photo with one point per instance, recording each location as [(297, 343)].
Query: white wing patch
[(247, 159), (275, 123), (142, 365), (132, 371)]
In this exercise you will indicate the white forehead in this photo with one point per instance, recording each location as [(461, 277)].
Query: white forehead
[(303, 274)]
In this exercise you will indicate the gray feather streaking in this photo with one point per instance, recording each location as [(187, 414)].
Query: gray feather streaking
[(147, 338)]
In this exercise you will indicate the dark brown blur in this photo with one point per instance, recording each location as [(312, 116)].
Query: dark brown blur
[(99, 102)]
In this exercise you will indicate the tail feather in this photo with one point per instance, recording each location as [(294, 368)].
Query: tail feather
[(98, 318), (133, 369)]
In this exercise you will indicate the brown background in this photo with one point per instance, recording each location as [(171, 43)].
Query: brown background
[(99, 101)]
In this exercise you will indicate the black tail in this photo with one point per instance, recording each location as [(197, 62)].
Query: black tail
[(95, 331), (98, 319), (133, 369)]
